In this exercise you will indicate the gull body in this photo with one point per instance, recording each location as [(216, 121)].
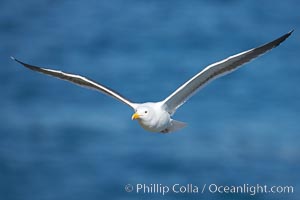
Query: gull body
[(152, 116), (157, 116)]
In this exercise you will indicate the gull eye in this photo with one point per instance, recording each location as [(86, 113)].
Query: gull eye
[(146, 111)]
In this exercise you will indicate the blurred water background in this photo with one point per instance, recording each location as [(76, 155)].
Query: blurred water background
[(59, 141)]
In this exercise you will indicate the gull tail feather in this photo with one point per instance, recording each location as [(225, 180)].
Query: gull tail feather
[(175, 125)]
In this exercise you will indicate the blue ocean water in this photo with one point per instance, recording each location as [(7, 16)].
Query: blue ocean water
[(60, 141)]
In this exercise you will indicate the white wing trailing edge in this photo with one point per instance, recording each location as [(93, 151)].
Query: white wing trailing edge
[(156, 116), (215, 70), (79, 80)]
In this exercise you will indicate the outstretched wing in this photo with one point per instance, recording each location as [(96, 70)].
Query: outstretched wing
[(215, 70), (79, 80)]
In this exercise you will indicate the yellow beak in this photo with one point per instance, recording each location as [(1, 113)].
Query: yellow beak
[(135, 116)]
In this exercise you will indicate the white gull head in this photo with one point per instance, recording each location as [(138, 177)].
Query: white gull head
[(156, 117)]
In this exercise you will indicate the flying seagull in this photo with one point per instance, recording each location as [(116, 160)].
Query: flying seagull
[(156, 116)]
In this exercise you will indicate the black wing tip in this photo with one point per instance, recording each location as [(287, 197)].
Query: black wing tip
[(24, 64), (278, 41), (291, 31), (13, 58), (288, 34)]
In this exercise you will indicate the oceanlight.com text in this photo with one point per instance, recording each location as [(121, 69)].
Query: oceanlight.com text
[(164, 189)]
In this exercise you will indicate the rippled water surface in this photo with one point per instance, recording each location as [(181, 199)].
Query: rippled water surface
[(60, 141)]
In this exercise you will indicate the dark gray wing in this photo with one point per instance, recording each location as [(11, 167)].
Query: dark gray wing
[(215, 70), (79, 80)]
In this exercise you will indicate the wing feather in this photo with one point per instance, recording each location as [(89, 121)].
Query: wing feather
[(215, 70), (79, 80)]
